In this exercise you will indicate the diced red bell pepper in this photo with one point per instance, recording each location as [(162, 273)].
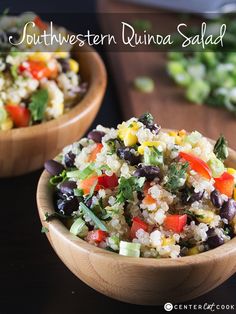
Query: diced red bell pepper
[(136, 225), (225, 184), (103, 181), (39, 23), (108, 181), (175, 223), (93, 154), (197, 165), (19, 115), (96, 236), (37, 69)]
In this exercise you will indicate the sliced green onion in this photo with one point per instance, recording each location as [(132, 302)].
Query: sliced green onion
[(94, 218), (79, 228), (55, 180), (144, 84), (129, 249), (81, 174)]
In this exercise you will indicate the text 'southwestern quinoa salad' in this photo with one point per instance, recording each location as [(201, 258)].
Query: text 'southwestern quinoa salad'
[(35, 86), (140, 191)]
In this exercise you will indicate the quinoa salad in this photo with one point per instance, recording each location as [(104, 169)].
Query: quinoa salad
[(35, 86), (142, 191)]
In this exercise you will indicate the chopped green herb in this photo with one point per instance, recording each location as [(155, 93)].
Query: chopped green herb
[(94, 218), (44, 230), (221, 149), (55, 215), (127, 187), (144, 84), (38, 104), (175, 175)]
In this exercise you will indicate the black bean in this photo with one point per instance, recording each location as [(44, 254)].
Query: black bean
[(148, 120), (65, 66), (216, 199), (189, 196), (228, 210), (155, 128), (129, 154), (68, 206), (67, 187), (96, 136), (214, 241), (149, 172), (53, 167), (69, 159)]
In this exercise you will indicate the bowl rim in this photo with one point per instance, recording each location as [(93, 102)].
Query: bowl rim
[(44, 204), (79, 109)]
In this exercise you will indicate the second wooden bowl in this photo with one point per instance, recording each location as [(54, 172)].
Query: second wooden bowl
[(25, 149), (137, 280)]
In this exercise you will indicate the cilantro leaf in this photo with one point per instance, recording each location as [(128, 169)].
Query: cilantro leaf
[(38, 104), (175, 175), (127, 187), (44, 230), (55, 215), (221, 149)]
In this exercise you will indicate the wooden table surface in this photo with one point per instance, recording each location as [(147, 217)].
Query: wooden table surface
[(32, 278), (167, 102)]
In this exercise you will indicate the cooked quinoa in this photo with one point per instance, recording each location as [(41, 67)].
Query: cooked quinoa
[(141, 191), (35, 86)]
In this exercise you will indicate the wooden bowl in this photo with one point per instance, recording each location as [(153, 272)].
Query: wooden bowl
[(146, 281), (25, 149)]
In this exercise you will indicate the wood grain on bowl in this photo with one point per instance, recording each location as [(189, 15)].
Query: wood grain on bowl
[(25, 149), (146, 281)]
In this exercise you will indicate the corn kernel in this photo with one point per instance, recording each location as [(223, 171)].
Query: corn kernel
[(193, 251), (173, 133), (74, 65), (7, 125), (128, 134), (235, 194), (231, 171), (168, 241), (182, 133), (40, 56), (61, 54), (149, 144), (205, 216), (130, 139), (178, 140)]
